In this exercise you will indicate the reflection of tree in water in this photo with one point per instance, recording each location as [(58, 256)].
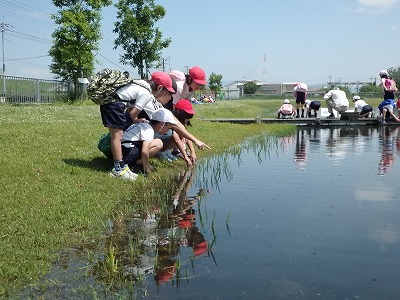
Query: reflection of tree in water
[(387, 142)]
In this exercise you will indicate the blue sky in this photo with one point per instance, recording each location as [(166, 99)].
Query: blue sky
[(311, 41)]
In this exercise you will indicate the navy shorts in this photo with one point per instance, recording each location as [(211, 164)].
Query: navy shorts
[(113, 115), (132, 154), (366, 109), (300, 97), (315, 105)]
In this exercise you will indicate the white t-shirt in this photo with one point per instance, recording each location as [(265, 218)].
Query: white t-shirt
[(359, 104), (138, 132), (143, 99), (337, 96)]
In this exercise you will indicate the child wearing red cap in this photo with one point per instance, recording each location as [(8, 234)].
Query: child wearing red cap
[(187, 84), (114, 117), (144, 104), (184, 112)]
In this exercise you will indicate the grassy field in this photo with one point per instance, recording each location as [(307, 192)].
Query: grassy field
[(56, 192)]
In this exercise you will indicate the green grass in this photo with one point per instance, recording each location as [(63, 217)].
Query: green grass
[(56, 192)]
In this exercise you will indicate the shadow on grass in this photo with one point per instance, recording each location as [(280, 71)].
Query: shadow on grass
[(101, 164)]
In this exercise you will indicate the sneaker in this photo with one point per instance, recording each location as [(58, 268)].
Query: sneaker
[(383, 122), (331, 116), (163, 155), (126, 173), (170, 155)]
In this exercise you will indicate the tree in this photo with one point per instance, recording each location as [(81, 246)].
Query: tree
[(370, 88), (394, 73), (76, 39), (141, 41), (250, 88), (214, 83)]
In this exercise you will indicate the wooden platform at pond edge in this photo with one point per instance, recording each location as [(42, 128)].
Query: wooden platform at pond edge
[(316, 122)]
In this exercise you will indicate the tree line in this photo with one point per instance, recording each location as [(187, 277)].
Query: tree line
[(77, 36)]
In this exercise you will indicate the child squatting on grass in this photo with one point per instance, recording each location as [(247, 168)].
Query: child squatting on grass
[(138, 142), (114, 118), (141, 105)]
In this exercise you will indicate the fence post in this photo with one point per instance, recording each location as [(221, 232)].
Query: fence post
[(37, 86)]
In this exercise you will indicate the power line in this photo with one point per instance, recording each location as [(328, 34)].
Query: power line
[(25, 58), (28, 36)]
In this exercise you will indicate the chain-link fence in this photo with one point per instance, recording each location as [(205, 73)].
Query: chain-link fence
[(21, 90)]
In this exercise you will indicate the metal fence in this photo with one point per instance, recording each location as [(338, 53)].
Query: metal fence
[(22, 90)]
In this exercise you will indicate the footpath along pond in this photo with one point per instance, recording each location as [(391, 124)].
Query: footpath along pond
[(314, 215)]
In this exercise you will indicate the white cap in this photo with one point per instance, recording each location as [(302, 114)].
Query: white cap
[(356, 97), (163, 115), (177, 75), (384, 72), (286, 101)]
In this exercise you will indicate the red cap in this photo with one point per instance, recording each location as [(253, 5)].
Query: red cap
[(198, 75), (200, 248), (185, 105), (185, 223), (165, 275), (163, 79)]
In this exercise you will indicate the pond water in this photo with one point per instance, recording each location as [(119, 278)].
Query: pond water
[(314, 215)]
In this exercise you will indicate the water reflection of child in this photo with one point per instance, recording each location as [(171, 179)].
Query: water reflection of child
[(177, 229), (300, 154), (387, 157)]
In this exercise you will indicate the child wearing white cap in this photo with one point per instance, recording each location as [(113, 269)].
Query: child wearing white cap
[(361, 106), (138, 142), (286, 109)]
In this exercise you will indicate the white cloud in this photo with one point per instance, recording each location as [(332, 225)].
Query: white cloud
[(376, 5)]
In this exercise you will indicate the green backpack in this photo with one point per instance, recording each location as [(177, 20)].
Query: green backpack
[(104, 145), (102, 87)]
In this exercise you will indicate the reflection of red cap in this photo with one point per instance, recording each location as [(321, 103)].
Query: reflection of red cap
[(185, 223), (165, 275), (163, 79), (200, 248), (198, 75), (185, 105)]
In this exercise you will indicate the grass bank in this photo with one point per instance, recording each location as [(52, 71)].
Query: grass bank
[(56, 192)]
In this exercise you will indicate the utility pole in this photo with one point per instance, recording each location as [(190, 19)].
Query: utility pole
[(164, 61), (3, 27)]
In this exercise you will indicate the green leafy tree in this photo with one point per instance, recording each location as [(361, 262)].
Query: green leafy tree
[(395, 74), (370, 88), (76, 38), (137, 34), (215, 84), (250, 88)]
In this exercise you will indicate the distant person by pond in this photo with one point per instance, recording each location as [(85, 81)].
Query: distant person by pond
[(286, 110), (336, 99), (312, 106), (362, 107), (386, 108), (300, 94)]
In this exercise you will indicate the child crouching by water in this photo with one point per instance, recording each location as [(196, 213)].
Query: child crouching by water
[(184, 112), (138, 142), (286, 110)]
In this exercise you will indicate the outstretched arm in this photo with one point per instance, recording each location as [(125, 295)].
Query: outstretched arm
[(181, 130)]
